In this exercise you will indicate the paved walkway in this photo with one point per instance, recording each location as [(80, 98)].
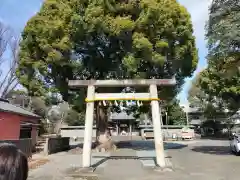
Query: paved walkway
[(122, 168)]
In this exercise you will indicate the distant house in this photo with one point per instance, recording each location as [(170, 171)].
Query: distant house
[(124, 122), (236, 117), (197, 117), (17, 123)]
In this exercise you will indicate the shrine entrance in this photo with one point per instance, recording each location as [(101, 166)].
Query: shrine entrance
[(151, 96), (123, 123)]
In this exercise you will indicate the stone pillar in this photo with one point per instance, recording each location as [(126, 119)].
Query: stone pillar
[(159, 148), (145, 119), (130, 129), (116, 129), (87, 146)]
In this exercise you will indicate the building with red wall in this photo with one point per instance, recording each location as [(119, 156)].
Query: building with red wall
[(17, 123)]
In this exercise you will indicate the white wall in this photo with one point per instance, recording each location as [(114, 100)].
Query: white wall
[(76, 133)]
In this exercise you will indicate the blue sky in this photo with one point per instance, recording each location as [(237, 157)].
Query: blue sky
[(16, 13)]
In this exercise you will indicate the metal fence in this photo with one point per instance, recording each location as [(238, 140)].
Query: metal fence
[(25, 145)]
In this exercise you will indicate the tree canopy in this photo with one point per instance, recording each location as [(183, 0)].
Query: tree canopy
[(210, 105), (196, 96), (105, 39), (222, 76)]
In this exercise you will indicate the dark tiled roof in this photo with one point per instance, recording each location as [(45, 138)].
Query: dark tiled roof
[(196, 122), (121, 116), (7, 107), (195, 110)]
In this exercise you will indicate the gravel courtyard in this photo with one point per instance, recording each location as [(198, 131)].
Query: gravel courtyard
[(205, 159), (198, 160)]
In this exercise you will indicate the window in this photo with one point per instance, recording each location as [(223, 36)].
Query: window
[(25, 133)]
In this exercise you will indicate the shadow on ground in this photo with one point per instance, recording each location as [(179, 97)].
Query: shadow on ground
[(138, 145), (215, 150), (214, 138), (122, 157), (146, 145), (105, 159)]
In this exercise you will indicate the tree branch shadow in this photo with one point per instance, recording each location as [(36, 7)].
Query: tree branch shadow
[(215, 150), (105, 159), (142, 145)]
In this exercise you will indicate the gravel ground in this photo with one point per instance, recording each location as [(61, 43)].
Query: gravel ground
[(198, 160)]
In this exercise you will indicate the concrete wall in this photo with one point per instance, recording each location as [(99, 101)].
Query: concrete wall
[(169, 133), (134, 133), (25, 145), (77, 132), (9, 126), (56, 144)]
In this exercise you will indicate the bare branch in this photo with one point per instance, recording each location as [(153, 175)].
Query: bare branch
[(9, 80), (5, 36)]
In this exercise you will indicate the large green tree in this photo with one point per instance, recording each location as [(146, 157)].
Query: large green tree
[(34, 104), (222, 77), (106, 39), (175, 114), (196, 96), (18, 97), (213, 107)]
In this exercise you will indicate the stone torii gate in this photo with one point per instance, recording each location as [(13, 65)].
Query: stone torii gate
[(152, 96)]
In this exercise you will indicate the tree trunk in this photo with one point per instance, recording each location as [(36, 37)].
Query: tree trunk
[(104, 140)]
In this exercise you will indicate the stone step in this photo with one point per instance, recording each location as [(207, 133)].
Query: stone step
[(99, 159), (124, 165)]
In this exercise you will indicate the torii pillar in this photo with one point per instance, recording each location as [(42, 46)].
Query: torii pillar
[(152, 95), (87, 145), (157, 129)]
